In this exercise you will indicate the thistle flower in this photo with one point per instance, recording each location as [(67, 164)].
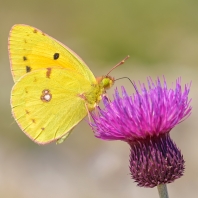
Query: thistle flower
[(144, 120)]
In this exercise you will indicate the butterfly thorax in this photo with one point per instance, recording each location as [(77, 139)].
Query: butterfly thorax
[(94, 96)]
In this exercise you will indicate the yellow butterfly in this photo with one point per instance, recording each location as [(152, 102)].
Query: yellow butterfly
[(54, 89)]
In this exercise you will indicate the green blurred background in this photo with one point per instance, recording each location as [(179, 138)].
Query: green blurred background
[(161, 38)]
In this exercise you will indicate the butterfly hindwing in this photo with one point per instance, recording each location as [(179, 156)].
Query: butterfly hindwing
[(45, 107)]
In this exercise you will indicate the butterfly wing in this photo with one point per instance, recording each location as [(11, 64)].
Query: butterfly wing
[(47, 103), (31, 49)]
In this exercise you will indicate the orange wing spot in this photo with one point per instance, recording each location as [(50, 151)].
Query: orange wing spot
[(27, 112), (48, 73), (26, 91), (35, 31), (43, 34), (82, 96), (46, 96), (33, 120)]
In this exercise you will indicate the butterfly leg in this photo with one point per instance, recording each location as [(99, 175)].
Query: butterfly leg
[(105, 95), (88, 114)]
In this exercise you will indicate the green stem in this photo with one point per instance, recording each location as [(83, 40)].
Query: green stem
[(163, 192)]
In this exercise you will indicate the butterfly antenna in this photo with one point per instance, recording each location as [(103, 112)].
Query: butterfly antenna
[(131, 83), (120, 63)]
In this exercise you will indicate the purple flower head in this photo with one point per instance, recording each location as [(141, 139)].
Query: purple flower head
[(144, 120)]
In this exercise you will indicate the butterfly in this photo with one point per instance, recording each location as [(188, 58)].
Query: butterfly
[(54, 89)]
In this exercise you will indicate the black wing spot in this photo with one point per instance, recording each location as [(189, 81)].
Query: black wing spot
[(24, 58), (35, 31), (28, 69), (56, 56)]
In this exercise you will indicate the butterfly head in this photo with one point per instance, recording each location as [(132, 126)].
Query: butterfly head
[(105, 82)]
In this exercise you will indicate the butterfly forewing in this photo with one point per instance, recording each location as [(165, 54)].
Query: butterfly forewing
[(31, 49)]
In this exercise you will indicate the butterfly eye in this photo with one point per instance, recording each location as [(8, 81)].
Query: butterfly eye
[(107, 82)]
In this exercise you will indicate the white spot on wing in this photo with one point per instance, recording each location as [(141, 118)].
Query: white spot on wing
[(47, 97)]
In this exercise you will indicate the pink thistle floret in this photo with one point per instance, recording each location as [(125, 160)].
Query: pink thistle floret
[(149, 112), (144, 121)]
